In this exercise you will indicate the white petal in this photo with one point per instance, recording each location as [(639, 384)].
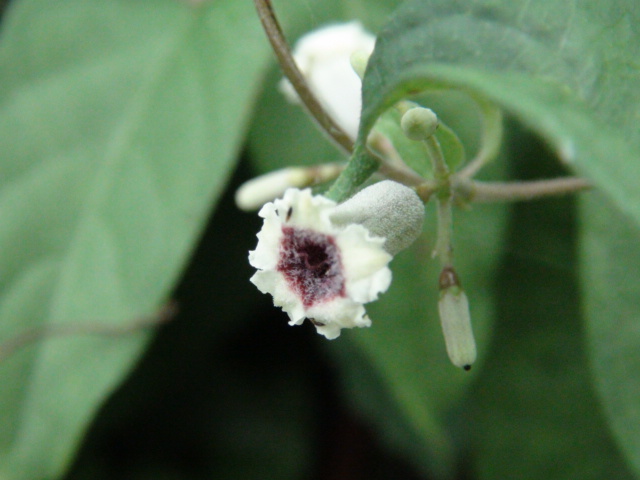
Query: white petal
[(365, 264), (341, 313), (362, 254), (265, 256), (369, 288), (265, 280)]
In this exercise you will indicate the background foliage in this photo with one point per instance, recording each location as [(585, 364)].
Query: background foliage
[(122, 123)]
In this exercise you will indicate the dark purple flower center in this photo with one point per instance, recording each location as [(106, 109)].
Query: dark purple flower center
[(310, 262)]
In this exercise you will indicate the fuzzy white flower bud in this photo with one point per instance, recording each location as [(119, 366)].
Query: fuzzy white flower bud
[(254, 193), (387, 209), (419, 123), (323, 57), (456, 321)]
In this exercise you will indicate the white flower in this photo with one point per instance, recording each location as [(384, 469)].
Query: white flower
[(323, 57), (320, 269), (316, 270)]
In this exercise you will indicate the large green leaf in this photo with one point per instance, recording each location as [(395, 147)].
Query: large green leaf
[(533, 412), (610, 258), (119, 124), (568, 70)]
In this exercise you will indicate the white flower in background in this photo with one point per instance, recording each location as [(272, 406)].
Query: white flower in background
[(323, 57), (326, 270)]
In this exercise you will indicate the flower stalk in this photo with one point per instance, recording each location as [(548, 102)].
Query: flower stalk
[(476, 191), (444, 247)]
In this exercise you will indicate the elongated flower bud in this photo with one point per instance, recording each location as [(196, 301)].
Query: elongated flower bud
[(254, 193), (456, 321)]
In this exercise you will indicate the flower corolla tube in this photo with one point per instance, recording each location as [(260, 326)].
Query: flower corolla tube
[(323, 56), (322, 261)]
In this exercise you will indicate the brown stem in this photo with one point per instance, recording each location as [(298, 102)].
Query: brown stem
[(476, 191), (292, 72)]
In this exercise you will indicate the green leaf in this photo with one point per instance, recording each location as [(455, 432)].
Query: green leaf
[(610, 261), (567, 70), (120, 122), (535, 395), (533, 412)]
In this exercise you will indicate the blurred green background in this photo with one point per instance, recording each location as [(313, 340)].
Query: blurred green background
[(126, 127)]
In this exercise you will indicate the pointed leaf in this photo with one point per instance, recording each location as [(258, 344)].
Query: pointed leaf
[(566, 69), (610, 259), (533, 412)]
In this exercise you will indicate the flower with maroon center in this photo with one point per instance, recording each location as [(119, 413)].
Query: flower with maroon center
[(324, 261), (316, 268)]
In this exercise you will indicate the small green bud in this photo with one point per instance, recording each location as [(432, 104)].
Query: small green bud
[(419, 123), (456, 321)]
